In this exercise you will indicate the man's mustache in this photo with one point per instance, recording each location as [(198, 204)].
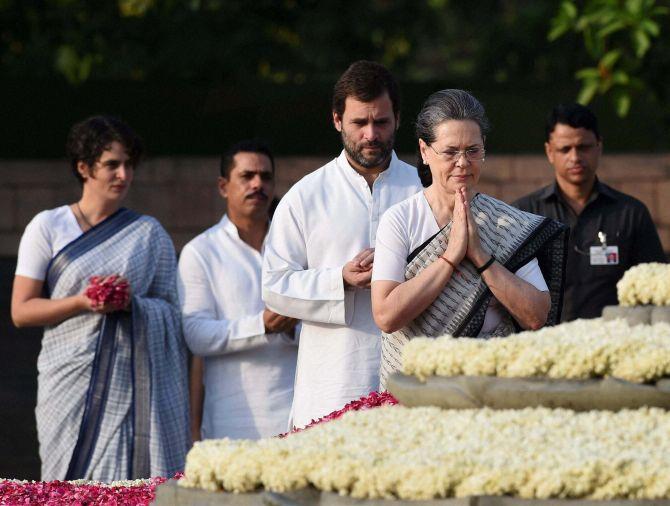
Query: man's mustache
[(259, 193), (373, 144)]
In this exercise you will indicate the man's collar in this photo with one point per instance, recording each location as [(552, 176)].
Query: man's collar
[(549, 191), (599, 188), (231, 229), (603, 189), (229, 226), (343, 161)]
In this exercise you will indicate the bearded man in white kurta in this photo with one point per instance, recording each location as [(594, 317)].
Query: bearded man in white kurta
[(320, 248), (249, 352)]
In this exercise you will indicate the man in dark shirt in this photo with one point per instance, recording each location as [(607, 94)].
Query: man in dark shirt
[(609, 230)]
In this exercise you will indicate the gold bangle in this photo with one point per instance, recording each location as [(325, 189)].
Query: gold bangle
[(449, 262)]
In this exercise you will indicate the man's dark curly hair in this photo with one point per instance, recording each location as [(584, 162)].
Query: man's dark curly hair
[(89, 138), (365, 81)]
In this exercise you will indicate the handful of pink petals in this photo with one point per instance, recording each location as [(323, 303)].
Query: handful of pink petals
[(108, 290)]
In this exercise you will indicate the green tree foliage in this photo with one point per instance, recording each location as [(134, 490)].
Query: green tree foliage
[(617, 36), (208, 72), (280, 41)]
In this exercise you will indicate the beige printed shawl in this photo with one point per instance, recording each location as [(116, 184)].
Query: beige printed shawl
[(514, 237)]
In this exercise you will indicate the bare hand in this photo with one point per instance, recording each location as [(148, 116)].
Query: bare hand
[(358, 271), (475, 252), (458, 236), (276, 323)]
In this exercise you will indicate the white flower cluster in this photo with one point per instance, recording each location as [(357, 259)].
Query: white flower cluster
[(424, 453), (645, 284), (576, 350)]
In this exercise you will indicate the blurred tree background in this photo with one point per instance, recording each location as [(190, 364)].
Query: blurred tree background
[(195, 75), (617, 37)]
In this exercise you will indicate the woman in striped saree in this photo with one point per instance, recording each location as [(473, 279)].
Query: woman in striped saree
[(450, 260), (112, 389)]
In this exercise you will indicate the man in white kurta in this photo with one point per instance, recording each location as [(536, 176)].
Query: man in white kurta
[(249, 370), (318, 255)]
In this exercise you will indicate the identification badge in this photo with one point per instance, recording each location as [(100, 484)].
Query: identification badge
[(604, 255)]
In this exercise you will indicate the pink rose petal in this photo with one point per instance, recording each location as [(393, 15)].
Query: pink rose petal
[(372, 400), (57, 493)]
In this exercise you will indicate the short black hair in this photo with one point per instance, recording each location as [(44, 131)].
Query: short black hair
[(245, 146), (90, 137), (365, 81), (574, 115)]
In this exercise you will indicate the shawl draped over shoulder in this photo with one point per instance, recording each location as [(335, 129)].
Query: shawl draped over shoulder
[(515, 237)]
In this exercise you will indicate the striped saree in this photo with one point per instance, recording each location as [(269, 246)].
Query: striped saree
[(515, 238), (112, 398)]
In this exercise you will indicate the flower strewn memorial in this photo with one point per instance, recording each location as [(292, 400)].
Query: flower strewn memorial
[(537, 453), (375, 449)]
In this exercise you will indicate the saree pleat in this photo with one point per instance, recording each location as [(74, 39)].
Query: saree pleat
[(96, 398)]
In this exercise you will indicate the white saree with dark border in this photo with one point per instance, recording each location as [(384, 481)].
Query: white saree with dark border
[(112, 398), (514, 237)]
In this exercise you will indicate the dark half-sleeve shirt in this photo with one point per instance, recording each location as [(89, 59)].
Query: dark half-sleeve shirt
[(626, 223)]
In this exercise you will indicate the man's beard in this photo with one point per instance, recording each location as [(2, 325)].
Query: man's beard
[(374, 159)]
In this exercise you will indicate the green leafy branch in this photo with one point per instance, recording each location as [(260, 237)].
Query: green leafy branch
[(617, 35)]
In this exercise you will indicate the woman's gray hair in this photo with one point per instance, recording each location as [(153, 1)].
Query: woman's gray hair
[(443, 106)]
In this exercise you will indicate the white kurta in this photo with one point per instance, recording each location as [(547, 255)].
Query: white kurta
[(323, 222), (248, 374)]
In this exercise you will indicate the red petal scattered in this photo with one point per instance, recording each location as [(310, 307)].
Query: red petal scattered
[(63, 492), (55, 493), (370, 401)]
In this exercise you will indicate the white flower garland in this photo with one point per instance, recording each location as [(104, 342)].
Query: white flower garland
[(424, 453), (645, 284), (576, 350)]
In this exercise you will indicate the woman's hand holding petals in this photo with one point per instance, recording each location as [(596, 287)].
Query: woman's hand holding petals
[(108, 293)]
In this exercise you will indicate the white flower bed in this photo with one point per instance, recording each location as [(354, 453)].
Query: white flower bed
[(645, 284), (576, 350), (423, 453)]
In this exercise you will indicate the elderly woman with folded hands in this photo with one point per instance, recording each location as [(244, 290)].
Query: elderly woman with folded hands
[(451, 260)]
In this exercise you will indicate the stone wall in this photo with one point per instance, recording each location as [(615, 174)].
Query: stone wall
[(181, 192)]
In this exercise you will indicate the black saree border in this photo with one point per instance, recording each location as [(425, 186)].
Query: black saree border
[(421, 247), (547, 232), (551, 237), (86, 242)]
